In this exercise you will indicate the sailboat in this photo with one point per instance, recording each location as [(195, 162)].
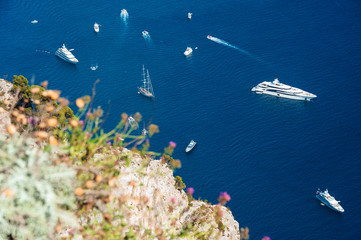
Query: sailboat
[(146, 89)]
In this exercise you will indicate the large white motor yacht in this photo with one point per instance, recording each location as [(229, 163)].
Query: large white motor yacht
[(66, 55), (278, 89), (329, 200)]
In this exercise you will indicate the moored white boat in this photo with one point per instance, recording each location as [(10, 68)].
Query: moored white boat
[(188, 51), (66, 54), (34, 21), (147, 88), (190, 16), (278, 89), (191, 145), (329, 200), (96, 27)]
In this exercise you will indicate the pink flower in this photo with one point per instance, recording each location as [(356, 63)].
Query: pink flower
[(190, 191), (266, 238), (32, 120), (81, 122), (224, 198), (173, 199), (172, 144)]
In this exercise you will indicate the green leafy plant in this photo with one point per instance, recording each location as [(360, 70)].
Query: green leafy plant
[(36, 190)]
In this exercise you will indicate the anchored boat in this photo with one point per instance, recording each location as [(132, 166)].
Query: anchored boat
[(329, 200), (146, 89), (190, 146), (66, 54), (278, 89)]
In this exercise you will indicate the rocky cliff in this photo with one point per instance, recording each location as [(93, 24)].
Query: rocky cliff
[(6, 99)]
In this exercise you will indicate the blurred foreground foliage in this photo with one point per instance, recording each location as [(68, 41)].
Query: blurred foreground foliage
[(59, 173)]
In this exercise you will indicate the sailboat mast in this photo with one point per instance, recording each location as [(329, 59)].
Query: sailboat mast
[(148, 81), (144, 79)]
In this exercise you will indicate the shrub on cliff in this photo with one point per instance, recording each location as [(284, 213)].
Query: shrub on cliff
[(35, 194), (21, 85)]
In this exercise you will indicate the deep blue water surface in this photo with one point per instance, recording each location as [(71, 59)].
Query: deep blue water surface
[(269, 154)]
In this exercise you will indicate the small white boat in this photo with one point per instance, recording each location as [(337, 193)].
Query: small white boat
[(188, 51), (209, 36), (145, 33), (94, 67), (190, 16), (34, 21), (132, 122), (96, 27), (190, 146)]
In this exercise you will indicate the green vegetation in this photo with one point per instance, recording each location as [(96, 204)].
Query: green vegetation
[(179, 184)]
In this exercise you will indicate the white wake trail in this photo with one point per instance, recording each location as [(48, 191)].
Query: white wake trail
[(124, 16), (220, 41)]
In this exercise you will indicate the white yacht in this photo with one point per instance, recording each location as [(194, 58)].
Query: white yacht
[(188, 51), (189, 16), (66, 54), (96, 27), (34, 21), (278, 89), (330, 201), (190, 146)]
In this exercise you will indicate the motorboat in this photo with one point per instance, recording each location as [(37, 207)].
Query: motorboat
[(34, 21), (94, 67), (209, 36), (188, 51), (278, 89), (145, 33), (66, 54), (329, 200), (147, 89), (190, 16), (124, 11), (96, 27), (190, 146), (132, 122)]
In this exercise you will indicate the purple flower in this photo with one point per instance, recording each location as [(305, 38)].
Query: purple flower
[(172, 144), (32, 120), (266, 238), (224, 198), (190, 191), (81, 122)]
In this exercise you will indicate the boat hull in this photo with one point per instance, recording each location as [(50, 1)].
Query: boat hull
[(295, 97), (145, 92), (324, 201), (65, 58), (282, 95)]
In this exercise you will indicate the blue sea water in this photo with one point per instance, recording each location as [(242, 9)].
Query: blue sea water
[(269, 154)]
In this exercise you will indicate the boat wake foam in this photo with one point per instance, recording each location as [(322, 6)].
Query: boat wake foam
[(146, 36), (222, 42), (124, 16)]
